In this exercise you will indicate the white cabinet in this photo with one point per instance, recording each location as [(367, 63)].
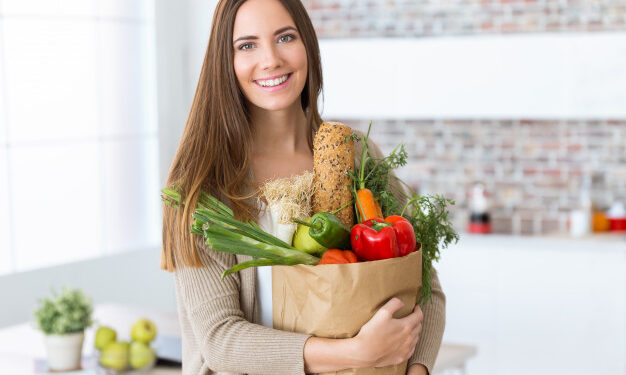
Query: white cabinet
[(537, 305)]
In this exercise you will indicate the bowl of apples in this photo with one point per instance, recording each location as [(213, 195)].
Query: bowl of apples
[(135, 357)]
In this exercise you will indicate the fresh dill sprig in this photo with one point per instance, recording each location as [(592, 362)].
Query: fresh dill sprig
[(378, 172), (428, 214)]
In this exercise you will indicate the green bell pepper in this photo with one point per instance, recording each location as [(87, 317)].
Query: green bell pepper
[(303, 241), (327, 230)]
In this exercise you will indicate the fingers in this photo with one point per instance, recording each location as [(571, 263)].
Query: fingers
[(418, 309), (417, 329), (410, 353), (417, 316), (411, 348), (420, 314), (392, 306), (413, 318), (415, 340)]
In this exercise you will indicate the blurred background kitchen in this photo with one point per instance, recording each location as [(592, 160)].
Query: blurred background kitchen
[(516, 110)]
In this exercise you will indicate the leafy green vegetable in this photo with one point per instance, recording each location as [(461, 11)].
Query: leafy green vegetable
[(379, 174), (222, 232), (427, 214), (66, 313), (429, 217)]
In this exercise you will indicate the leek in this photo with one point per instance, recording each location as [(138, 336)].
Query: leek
[(222, 232)]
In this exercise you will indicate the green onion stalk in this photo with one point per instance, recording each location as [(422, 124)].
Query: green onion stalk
[(222, 232)]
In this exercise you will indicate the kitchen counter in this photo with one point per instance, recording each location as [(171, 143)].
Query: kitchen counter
[(614, 240), (617, 237)]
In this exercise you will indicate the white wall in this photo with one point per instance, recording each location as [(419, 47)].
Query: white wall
[(131, 278), (182, 32), (578, 75)]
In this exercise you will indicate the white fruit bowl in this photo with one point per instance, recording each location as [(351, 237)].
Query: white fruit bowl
[(102, 370)]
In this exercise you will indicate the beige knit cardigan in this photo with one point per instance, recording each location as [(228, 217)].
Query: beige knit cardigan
[(220, 320)]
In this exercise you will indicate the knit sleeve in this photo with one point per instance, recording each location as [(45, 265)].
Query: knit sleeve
[(227, 341), (433, 326)]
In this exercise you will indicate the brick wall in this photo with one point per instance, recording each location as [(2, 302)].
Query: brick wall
[(420, 18), (533, 169)]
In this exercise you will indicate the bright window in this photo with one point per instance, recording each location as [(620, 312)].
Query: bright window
[(78, 132)]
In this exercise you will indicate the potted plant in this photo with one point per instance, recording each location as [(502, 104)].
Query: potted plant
[(63, 319)]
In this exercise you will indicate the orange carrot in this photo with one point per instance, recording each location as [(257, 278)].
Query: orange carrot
[(367, 205)]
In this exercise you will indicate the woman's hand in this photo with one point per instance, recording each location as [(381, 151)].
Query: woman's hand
[(417, 369), (382, 341), (385, 341)]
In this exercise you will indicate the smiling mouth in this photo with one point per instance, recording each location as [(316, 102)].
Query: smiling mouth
[(272, 82)]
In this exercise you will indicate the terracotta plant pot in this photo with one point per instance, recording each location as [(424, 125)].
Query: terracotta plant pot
[(64, 351)]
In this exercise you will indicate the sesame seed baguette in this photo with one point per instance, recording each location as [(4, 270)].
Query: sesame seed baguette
[(333, 157)]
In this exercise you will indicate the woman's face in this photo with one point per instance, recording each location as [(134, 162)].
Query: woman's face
[(269, 56)]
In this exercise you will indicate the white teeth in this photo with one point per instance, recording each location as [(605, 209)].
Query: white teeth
[(273, 82)]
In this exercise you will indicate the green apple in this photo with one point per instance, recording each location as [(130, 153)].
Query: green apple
[(303, 241), (126, 344), (115, 356), (141, 354), (104, 336), (143, 331)]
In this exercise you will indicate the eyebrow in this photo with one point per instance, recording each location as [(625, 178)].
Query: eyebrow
[(281, 30)]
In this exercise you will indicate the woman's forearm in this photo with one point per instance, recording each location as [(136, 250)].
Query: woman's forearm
[(329, 355)]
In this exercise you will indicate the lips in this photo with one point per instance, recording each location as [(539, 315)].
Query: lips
[(272, 77), (273, 81)]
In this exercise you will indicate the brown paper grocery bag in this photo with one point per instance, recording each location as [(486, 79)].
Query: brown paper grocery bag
[(335, 300)]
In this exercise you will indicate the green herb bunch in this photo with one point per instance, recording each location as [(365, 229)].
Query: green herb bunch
[(376, 173), (380, 172), (64, 313), (428, 214)]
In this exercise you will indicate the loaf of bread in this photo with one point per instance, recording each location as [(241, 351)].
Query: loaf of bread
[(333, 157)]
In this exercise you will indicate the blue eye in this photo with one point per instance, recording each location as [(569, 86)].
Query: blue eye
[(286, 38), (245, 46)]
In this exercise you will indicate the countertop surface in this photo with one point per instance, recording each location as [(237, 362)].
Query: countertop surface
[(609, 241)]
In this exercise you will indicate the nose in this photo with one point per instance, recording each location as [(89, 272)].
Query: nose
[(271, 58)]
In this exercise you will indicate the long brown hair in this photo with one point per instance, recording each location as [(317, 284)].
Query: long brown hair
[(214, 151)]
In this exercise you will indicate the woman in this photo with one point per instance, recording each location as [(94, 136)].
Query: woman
[(253, 118)]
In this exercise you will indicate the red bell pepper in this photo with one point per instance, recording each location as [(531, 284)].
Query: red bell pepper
[(374, 240), (377, 239), (404, 234)]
